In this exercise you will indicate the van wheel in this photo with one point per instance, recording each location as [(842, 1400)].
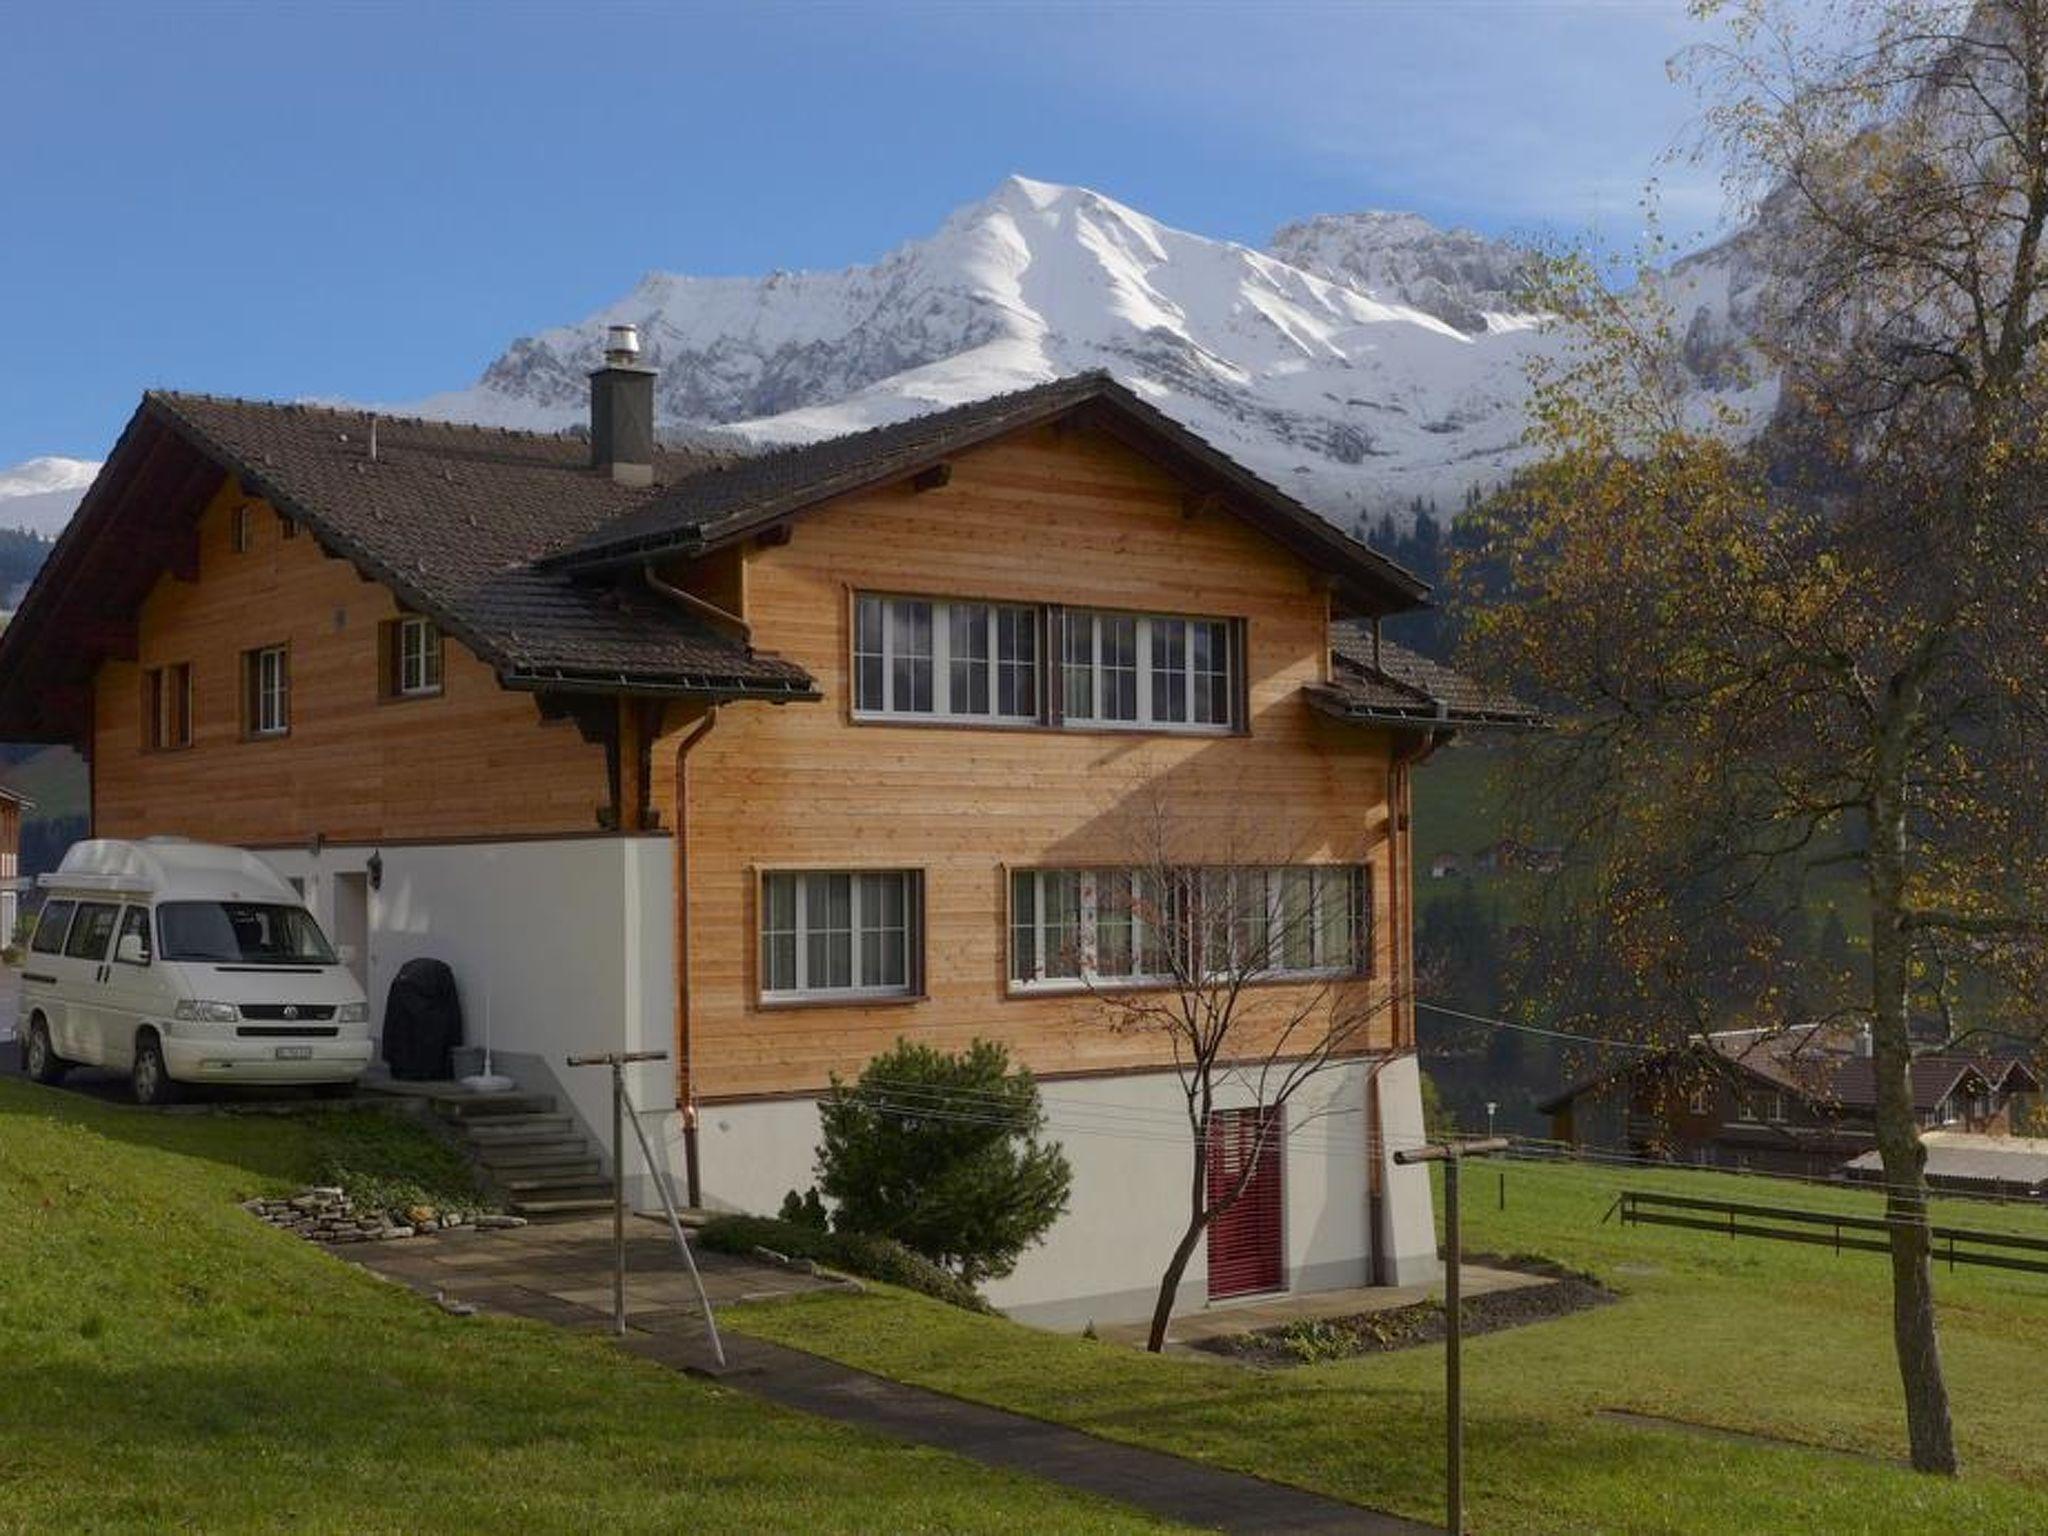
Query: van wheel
[(42, 1063), (153, 1085)]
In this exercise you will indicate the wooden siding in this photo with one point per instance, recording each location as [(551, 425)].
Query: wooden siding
[(475, 761), (1049, 516)]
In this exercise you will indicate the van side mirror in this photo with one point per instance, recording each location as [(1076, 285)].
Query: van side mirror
[(132, 950)]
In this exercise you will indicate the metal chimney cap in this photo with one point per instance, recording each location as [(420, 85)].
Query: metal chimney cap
[(622, 345)]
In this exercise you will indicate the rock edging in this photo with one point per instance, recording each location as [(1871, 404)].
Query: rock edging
[(324, 1213)]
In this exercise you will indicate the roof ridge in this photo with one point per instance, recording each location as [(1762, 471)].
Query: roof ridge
[(355, 412)]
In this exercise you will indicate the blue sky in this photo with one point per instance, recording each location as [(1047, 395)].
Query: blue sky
[(368, 200)]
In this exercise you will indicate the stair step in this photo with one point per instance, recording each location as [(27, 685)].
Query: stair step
[(558, 1206), (496, 1106), (536, 1181), (498, 1130), (539, 1154)]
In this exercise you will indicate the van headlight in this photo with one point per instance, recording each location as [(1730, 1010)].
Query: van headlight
[(352, 1013), (206, 1013)]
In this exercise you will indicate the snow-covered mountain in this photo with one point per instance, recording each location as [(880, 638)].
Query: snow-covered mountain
[(1364, 360), (39, 494), (1462, 278)]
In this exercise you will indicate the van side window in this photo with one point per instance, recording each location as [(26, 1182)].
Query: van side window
[(91, 930), (135, 924), (50, 931)]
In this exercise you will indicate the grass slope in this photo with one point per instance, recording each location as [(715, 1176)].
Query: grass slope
[(1747, 1335), (166, 1362)]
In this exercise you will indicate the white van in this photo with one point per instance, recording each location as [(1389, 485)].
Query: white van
[(182, 962)]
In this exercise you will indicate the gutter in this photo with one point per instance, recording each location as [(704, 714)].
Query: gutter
[(686, 1078)]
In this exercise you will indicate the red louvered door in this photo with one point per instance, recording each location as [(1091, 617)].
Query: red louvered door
[(1244, 1242)]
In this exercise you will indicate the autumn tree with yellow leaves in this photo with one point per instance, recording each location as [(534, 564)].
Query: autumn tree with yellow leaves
[(1824, 634)]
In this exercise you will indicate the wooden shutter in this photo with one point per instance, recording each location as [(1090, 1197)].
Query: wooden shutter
[(387, 659), (1245, 1254)]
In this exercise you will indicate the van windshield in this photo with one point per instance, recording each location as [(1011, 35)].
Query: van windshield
[(241, 933)]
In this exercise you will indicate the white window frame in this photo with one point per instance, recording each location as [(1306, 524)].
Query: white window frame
[(942, 661), (419, 657), (272, 692), (1148, 717), (804, 991), (1339, 880)]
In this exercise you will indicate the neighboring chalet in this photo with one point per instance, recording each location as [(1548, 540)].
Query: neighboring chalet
[(767, 761), (1800, 1100), (13, 807)]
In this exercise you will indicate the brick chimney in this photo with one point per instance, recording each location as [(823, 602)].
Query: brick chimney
[(622, 410)]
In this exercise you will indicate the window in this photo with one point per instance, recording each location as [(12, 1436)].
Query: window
[(841, 933), (241, 528), (167, 707), (91, 930), (1702, 1099), (412, 666), (1146, 669), (921, 658), (287, 527), (52, 927), (134, 925), (242, 933), (945, 660), (267, 691), (1126, 925), (1776, 1104)]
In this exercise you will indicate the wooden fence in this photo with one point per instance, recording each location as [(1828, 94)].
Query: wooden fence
[(1829, 1229)]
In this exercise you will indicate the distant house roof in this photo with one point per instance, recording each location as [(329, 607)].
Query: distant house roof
[(16, 798), (1377, 681), (1957, 1157), (1815, 1063)]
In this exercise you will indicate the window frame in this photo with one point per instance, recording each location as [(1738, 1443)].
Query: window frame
[(36, 946), (430, 657), (1202, 690), (167, 701), (859, 994), (992, 661), (1148, 629), (78, 931), (257, 693), (1354, 881), (242, 528)]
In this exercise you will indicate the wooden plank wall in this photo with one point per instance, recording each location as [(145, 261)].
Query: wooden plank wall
[(1050, 516), (476, 761)]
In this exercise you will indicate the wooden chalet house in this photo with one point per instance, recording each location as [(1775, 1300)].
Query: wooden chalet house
[(768, 761), (1800, 1101)]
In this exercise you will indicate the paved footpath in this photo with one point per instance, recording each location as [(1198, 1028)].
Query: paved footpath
[(559, 1273)]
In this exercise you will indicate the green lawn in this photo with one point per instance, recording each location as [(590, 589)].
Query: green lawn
[(1750, 1335), (166, 1362)]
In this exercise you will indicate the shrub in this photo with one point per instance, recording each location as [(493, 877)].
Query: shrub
[(857, 1253), (941, 1153), (805, 1210)]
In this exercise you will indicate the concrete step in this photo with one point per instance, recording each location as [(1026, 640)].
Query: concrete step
[(539, 1154), (537, 1181), (557, 1205), (495, 1106), (507, 1130)]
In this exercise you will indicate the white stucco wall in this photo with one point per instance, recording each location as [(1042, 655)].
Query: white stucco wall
[(558, 946), (1127, 1140)]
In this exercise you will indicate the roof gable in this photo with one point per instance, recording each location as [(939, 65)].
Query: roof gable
[(734, 501)]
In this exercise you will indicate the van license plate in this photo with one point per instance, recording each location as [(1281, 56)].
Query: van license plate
[(295, 1053)]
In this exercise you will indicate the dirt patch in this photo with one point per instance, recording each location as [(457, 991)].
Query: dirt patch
[(1311, 1341)]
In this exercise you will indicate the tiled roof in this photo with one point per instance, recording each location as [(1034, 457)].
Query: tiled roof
[(729, 502), (1383, 682), (453, 517)]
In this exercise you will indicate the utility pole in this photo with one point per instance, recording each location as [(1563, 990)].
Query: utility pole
[(1451, 1154)]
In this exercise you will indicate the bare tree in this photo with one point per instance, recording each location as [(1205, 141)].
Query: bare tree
[(1826, 641), (1255, 975)]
